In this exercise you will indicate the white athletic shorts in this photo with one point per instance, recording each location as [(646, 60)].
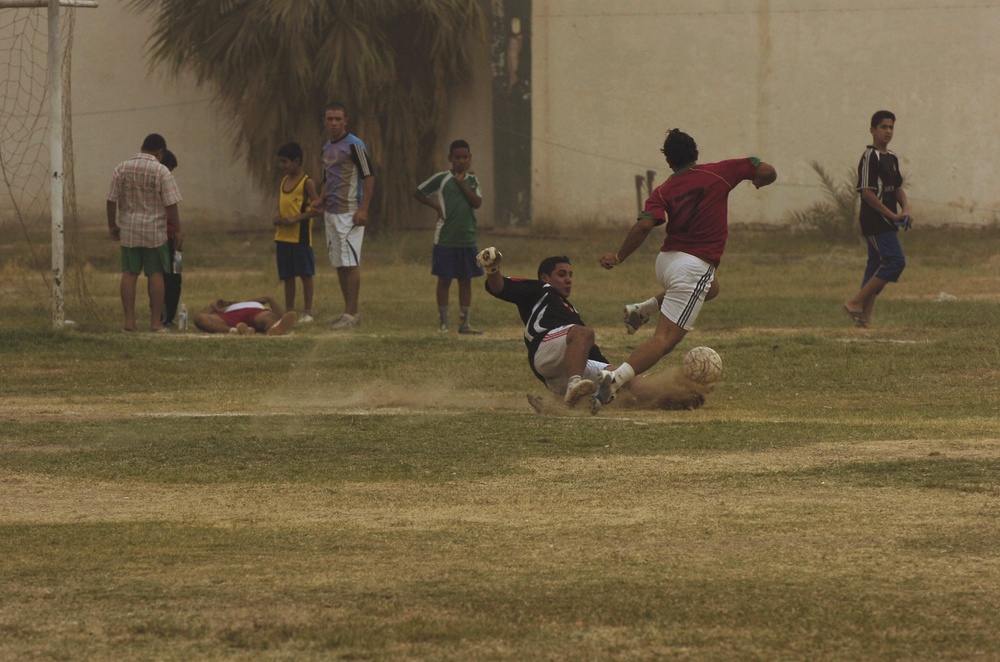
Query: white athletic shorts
[(685, 279), (550, 361), (343, 239)]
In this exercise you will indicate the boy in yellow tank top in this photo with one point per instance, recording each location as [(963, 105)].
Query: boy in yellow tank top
[(293, 224)]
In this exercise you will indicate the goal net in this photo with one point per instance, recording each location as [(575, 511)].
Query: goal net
[(25, 176)]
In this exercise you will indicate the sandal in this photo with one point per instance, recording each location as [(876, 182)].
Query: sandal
[(858, 316)]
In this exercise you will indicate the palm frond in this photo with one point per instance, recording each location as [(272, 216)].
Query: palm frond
[(836, 217), (273, 64)]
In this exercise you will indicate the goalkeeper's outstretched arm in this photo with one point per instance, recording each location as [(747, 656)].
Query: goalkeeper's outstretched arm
[(489, 259)]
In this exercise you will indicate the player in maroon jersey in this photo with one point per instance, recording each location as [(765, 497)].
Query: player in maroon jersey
[(693, 203)]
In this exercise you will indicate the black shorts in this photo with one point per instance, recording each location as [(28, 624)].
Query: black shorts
[(294, 260), (455, 262)]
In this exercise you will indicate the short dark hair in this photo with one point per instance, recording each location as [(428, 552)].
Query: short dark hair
[(335, 105), (154, 142), (548, 265), (457, 144), (169, 160), (882, 115), (679, 148), (291, 151)]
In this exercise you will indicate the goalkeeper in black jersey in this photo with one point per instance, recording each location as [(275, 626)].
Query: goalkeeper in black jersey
[(562, 351)]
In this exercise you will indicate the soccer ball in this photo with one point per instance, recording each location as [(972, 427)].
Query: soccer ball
[(703, 365)]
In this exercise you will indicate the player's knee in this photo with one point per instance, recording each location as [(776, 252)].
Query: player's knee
[(200, 322), (578, 333), (892, 268)]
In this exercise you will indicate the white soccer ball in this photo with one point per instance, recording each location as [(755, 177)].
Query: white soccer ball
[(703, 365)]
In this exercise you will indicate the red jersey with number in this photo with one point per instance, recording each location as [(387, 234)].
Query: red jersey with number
[(694, 205)]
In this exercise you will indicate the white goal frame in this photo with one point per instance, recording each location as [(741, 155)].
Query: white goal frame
[(57, 176)]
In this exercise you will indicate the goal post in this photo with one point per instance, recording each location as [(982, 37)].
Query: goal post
[(40, 4), (56, 165)]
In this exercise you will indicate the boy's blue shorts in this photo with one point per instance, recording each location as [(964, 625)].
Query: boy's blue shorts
[(455, 262), (885, 257), (294, 260)]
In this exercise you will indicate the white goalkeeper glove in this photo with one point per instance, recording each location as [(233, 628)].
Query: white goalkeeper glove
[(489, 259)]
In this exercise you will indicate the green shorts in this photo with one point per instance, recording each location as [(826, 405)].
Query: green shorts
[(148, 260)]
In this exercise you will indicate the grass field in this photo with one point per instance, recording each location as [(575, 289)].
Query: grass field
[(388, 493)]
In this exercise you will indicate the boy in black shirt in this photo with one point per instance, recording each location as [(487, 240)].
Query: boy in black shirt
[(881, 186)]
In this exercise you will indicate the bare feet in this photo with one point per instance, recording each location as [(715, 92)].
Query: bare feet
[(284, 325)]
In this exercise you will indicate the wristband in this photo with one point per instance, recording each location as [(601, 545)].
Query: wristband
[(618, 259)]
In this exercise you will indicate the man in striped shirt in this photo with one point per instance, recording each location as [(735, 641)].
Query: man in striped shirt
[(142, 202), (348, 185)]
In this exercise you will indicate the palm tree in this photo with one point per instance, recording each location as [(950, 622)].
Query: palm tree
[(274, 64)]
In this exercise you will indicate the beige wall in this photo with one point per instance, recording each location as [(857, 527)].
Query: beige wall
[(789, 81), (471, 118), (117, 100)]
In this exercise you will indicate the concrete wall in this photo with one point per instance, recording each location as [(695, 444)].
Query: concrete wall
[(470, 118), (117, 100), (789, 81)]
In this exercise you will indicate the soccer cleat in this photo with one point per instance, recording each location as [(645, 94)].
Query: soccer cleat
[(467, 330), (346, 321), (284, 325), (603, 393), (305, 319), (443, 328), (634, 317), (577, 391)]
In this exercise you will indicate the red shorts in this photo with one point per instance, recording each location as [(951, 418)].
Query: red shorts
[(245, 315)]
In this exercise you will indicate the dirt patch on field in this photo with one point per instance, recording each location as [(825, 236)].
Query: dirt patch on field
[(611, 480)]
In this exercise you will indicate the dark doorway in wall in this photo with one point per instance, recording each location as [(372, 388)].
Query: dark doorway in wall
[(512, 111)]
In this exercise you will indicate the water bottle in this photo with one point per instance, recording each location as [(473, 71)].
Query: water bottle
[(178, 262), (182, 318)]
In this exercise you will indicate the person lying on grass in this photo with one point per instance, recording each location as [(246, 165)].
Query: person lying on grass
[(262, 315)]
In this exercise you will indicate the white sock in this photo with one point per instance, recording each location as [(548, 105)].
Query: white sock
[(623, 373), (649, 307)]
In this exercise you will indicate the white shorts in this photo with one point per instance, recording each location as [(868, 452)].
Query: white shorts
[(685, 279), (343, 239), (550, 361)]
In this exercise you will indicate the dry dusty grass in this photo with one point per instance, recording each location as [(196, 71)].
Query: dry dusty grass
[(390, 495)]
